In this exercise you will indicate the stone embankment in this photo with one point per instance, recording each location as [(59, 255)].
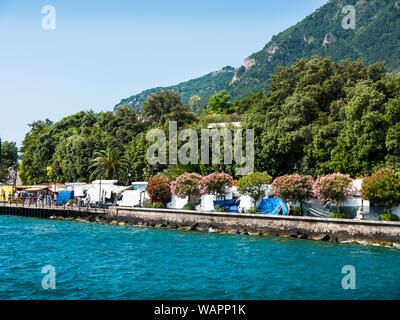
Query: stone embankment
[(325, 229)]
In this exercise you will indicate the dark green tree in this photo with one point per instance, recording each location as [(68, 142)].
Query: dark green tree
[(108, 164), (159, 104), (219, 103), (9, 157)]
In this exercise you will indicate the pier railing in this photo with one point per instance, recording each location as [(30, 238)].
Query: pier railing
[(54, 207)]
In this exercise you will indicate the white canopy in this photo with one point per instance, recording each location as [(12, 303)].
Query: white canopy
[(106, 190), (112, 182)]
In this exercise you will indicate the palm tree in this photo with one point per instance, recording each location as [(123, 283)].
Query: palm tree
[(108, 164)]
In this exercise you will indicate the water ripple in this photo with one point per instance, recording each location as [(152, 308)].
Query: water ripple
[(95, 261)]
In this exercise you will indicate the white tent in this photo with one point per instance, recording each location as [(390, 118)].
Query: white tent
[(176, 202), (104, 190), (104, 182), (131, 198), (79, 191)]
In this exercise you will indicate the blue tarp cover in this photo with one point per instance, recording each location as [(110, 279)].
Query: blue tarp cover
[(271, 206), (64, 197), (229, 205)]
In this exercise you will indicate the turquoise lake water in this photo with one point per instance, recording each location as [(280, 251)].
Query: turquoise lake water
[(95, 261)]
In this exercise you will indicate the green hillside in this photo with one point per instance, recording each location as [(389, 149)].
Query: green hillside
[(204, 87), (376, 37)]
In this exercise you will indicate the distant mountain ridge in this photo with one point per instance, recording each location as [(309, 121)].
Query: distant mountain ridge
[(376, 37), (204, 87)]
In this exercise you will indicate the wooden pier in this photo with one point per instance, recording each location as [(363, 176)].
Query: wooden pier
[(46, 211)]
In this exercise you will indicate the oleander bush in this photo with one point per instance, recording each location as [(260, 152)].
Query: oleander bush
[(389, 217), (216, 183), (293, 187), (187, 185), (334, 188), (383, 186), (159, 189)]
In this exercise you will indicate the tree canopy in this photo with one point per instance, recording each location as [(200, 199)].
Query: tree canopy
[(8, 157), (327, 116), (316, 117)]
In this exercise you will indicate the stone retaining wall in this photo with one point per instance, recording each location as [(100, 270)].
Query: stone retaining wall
[(301, 227)]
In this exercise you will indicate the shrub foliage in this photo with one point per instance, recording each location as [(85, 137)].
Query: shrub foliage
[(382, 187), (389, 217), (253, 184), (333, 188), (293, 187), (159, 189), (216, 183), (187, 185)]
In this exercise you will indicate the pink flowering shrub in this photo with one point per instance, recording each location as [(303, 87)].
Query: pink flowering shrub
[(383, 186), (293, 187), (333, 188), (216, 183), (159, 189), (187, 185)]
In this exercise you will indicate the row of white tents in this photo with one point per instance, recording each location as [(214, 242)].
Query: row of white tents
[(135, 194), (98, 190)]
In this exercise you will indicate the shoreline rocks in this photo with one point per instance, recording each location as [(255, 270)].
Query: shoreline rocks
[(374, 233), (210, 228)]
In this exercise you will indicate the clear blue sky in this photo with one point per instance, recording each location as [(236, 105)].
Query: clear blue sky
[(103, 51)]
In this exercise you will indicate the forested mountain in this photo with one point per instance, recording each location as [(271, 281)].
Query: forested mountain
[(202, 87), (375, 37), (317, 117), (318, 114)]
